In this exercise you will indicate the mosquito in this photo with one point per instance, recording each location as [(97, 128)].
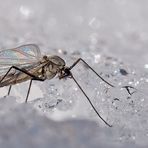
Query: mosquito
[(26, 63)]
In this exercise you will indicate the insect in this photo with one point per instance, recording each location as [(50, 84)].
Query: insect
[(26, 63)]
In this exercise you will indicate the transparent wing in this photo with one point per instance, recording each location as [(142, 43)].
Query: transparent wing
[(22, 54), (19, 56)]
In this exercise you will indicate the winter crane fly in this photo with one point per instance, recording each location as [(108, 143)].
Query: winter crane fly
[(26, 63)]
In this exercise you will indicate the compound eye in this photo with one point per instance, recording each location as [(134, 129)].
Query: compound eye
[(67, 71), (45, 57)]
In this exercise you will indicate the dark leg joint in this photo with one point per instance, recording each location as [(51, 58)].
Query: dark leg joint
[(128, 89)]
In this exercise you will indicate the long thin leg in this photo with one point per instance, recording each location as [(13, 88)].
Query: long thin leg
[(128, 89), (28, 91), (9, 90), (76, 62), (27, 73), (21, 70), (90, 102), (30, 84)]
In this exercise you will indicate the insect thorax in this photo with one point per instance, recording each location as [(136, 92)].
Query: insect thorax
[(54, 66)]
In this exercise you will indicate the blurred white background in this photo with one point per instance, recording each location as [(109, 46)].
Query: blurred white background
[(115, 26)]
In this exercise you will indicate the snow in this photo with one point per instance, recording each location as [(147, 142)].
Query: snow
[(109, 35)]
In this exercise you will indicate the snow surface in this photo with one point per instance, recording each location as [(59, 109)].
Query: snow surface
[(111, 35)]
